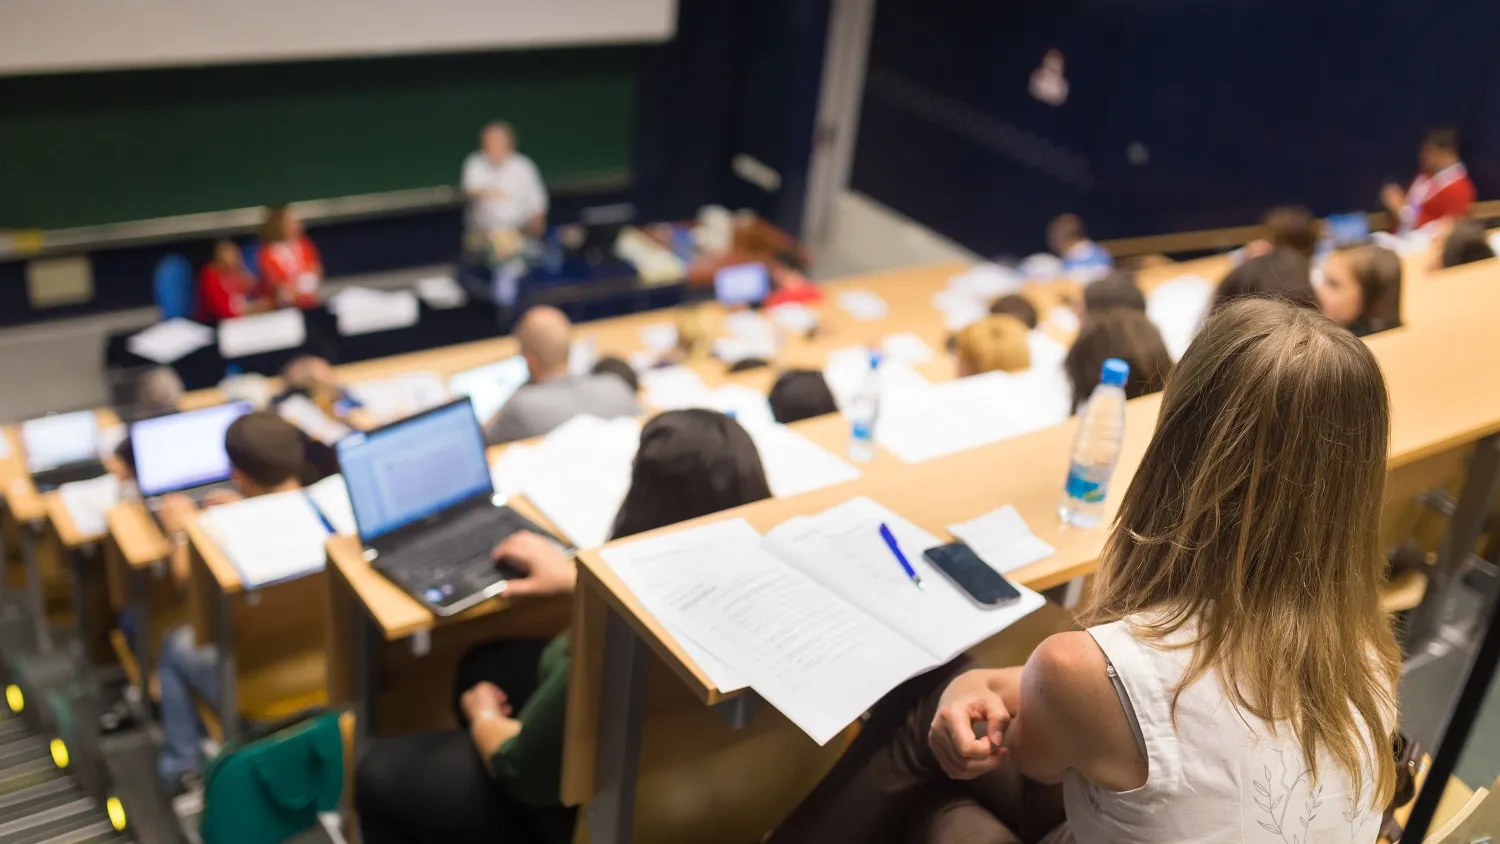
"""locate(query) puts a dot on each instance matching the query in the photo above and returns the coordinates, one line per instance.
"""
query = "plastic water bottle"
(864, 409)
(1096, 448)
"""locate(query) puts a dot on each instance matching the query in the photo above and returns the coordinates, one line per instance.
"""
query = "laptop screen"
(183, 450)
(415, 468)
(60, 440)
(742, 284)
(490, 386)
(1348, 229)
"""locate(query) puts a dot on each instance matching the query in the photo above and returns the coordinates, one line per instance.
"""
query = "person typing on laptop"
(554, 395)
(265, 456)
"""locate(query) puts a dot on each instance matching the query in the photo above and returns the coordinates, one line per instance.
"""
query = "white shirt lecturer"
(519, 193)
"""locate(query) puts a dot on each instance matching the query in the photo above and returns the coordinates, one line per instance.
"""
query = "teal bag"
(270, 783)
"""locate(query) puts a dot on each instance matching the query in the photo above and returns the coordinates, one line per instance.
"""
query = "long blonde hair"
(1254, 518)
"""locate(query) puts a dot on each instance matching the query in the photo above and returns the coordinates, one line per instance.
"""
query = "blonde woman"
(995, 343)
(1235, 678)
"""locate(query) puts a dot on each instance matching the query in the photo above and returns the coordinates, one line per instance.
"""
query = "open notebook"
(817, 616)
(303, 521)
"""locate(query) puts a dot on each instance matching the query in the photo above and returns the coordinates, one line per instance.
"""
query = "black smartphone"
(960, 564)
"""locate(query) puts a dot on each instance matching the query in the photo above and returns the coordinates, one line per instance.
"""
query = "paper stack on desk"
(578, 475)
(361, 310)
(920, 422)
(863, 305)
(1178, 308)
(260, 556)
(88, 503)
(817, 616)
(674, 388)
(441, 292)
(170, 341)
(1003, 539)
(269, 332)
(794, 464)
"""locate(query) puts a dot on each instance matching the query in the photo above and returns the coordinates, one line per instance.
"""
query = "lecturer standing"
(1442, 189)
(504, 189)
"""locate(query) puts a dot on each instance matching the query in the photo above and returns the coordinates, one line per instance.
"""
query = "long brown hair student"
(1123, 333)
(1361, 289)
(1236, 678)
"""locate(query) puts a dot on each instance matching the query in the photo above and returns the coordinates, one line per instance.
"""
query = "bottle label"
(1083, 488)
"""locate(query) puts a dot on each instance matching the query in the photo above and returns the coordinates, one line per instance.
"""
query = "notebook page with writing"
(809, 653)
(841, 548)
(268, 538)
(579, 474)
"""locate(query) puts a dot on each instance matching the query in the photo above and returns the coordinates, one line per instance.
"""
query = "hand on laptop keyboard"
(544, 568)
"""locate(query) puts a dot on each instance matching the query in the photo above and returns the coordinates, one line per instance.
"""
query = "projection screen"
(49, 36)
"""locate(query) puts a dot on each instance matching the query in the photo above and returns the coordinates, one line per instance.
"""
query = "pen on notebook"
(890, 541)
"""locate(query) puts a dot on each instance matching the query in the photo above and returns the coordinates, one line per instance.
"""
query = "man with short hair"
(554, 395)
(1441, 190)
(1082, 259)
(265, 456)
(504, 189)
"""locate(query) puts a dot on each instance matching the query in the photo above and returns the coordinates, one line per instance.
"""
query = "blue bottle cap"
(875, 356)
(1115, 373)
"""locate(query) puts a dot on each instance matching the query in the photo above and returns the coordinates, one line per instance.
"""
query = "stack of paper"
(1178, 307)
(389, 399)
(1003, 539)
(818, 616)
(674, 388)
(441, 292)
(364, 311)
(331, 497)
(578, 475)
(88, 503)
(863, 305)
(490, 386)
(919, 423)
(794, 464)
(170, 341)
(510, 470)
(311, 420)
(261, 556)
(268, 332)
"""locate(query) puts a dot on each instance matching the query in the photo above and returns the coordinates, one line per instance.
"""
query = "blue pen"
(890, 541)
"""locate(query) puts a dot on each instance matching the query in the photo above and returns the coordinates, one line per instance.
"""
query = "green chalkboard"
(108, 147)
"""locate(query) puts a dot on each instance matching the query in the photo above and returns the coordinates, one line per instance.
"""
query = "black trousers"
(433, 787)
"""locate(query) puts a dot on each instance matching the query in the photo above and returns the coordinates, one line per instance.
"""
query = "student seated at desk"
(1466, 242)
(620, 368)
(158, 391)
(312, 377)
(1280, 273)
(289, 262)
(498, 780)
(1017, 306)
(1116, 290)
(554, 395)
(1290, 227)
(800, 394)
(265, 456)
(1196, 704)
(993, 344)
(1361, 289)
(226, 288)
(1117, 333)
(1082, 259)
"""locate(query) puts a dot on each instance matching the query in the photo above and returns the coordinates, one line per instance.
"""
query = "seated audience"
(158, 392)
(1017, 306)
(1290, 227)
(505, 192)
(1466, 243)
(800, 394)
(1182, 711)
(695, 339)
(1117, 333)
(498, 778)
(1441, 190)
(993, 344)
(554, 395)
(226, 288)
(288, 260)
(1116, 290)
(312, 377)
(1361, 289)
(1082, 259)
(620, 368)
(265, 456)
(790, 285)
(1280, 274)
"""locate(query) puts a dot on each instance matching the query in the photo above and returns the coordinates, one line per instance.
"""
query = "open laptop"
(425, 506)
(742, 284)
(62, 448)
(490, 386)
(183, 452)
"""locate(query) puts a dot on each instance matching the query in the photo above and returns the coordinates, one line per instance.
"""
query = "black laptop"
(426, 509)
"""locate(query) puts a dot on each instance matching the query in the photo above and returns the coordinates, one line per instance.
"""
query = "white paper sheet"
(331, 497)
(582, 356)
(1003, 539)
(88, 503)
(748, 407)
(805, 651)
(1178, 308)
(441, 292)
(921, 422)
(842, 549)
(389, 399)
(674, 388)
(863, 305)
(510, 470)
(1063, 319)
(262, 556)
(794, 464)
(906, 348)
(1041, 266)
(846, 370)
(60, 439)
(110, 438)
(268, 332)
(1046, 353)
(375, 310)
(659, 337)
(311, 420)
(170, 341)
(794, 317)
(986, 282)
(578, 476)
(960, 310)
(490, 386)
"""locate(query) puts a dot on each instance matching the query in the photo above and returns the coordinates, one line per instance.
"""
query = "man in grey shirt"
(553, 395)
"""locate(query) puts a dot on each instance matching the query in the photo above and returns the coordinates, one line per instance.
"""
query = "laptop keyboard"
(454, 561)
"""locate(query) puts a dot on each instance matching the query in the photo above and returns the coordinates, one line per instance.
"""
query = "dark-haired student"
(1279, 274)
(1287, 227)
(498, 779)
(265, 456)
(1116, 290)
(800, 394)
(1441, 190)
(1082, 259)
(1117, 333)
(620, 368)
(1466, 243)
(1361, 289)
(226, 287)
(1017, 306)
(288, 260)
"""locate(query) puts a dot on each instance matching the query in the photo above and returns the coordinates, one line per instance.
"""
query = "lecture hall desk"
(619, 717)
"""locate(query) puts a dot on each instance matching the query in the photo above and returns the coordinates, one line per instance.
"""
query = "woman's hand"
(545, 569)
(968, 700)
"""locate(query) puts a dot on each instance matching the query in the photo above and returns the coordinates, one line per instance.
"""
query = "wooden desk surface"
(63, 524)
(136, 533)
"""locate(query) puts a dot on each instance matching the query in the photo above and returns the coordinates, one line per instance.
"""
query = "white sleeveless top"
(1217, 775)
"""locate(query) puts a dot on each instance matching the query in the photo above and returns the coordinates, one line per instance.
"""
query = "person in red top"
(1441, 190)
(289, 262)
(226, 288)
